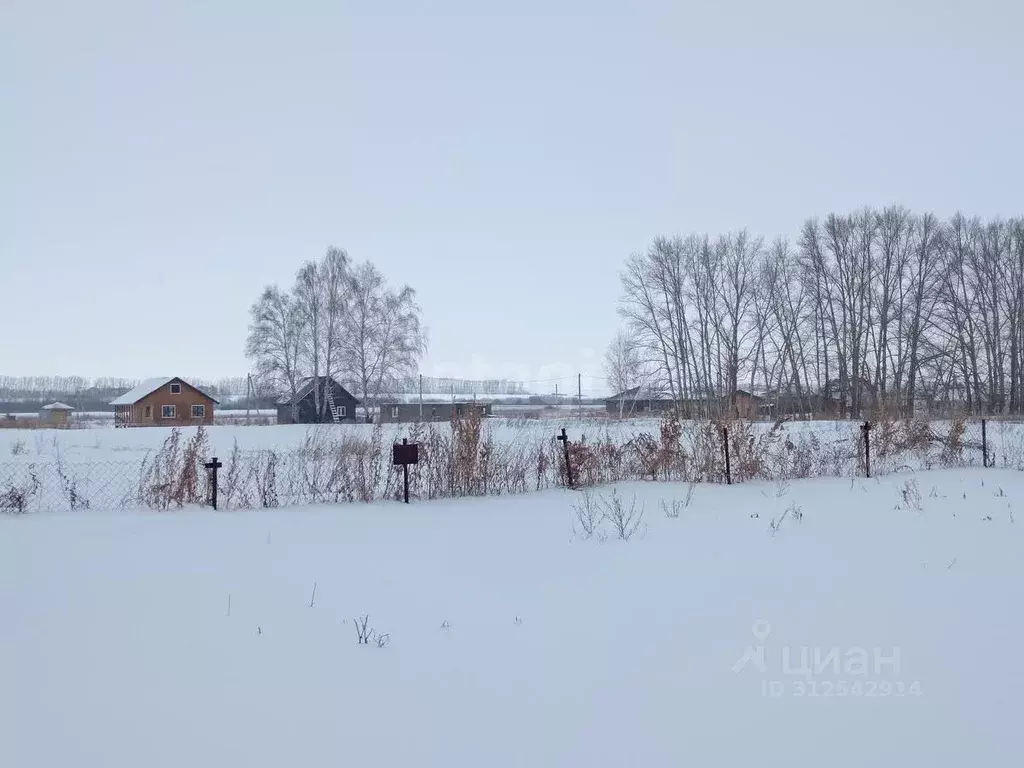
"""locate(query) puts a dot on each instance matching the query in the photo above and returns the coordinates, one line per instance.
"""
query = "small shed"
(56, 414)
(336, 404)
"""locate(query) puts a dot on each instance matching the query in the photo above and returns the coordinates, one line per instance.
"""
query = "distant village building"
(336, 404)
(163, 402)
(640, 401)
(748, 406)
(55, 414)
(404, 413)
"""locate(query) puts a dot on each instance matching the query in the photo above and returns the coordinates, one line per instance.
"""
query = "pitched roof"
(57, 406)
(306, 386)
(149, 386)
(640, 393)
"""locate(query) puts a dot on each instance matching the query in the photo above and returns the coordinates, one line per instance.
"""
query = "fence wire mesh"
(472, 459)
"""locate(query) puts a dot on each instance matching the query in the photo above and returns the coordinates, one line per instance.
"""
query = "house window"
(394, 412)
(168, 412)
(198, 411)
(175, 389)
(149, 411)
(342, 411)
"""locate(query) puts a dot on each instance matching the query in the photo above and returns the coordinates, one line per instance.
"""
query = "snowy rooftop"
(641, 393)
(58, 406)
(148, 387)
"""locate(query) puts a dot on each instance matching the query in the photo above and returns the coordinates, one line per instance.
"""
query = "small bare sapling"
(362, 633)
(587, 516)
(911, 495)
(793, 512)
(365, 634)
(626, 521)
(672, 510)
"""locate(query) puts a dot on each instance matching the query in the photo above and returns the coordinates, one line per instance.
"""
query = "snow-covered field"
(189, 639)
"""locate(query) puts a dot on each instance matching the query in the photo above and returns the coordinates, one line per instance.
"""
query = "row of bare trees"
(447, 385)
(339, 319)
(33, 386)
(877, 307)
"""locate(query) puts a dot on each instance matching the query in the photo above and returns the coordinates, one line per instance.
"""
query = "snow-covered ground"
(144, 639)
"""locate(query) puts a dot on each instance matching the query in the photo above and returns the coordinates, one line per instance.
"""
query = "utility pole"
(248, 396)
(579, 393)
(421, 397)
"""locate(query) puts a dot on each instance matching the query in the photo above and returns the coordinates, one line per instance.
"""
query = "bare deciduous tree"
(623, 364)
(875, 308)
(337, 321)
(383, 336)
(275, 340)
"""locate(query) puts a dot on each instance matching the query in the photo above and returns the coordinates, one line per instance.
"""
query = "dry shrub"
(707, 452)
(891, 436)
(644, 453)
(754, 454)
(467, 474)
(953, 445)
(171, 477)
(587, 517)
(910, 493)
(16, 494)
(803, 456)
(626, 521)
(70, 484)
(466, 457)
(671, 456)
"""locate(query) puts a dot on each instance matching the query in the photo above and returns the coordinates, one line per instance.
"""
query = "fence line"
(467, 458)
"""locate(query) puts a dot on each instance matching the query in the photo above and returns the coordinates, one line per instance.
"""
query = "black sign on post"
(403, 455)
(568, 467)
(213, 466)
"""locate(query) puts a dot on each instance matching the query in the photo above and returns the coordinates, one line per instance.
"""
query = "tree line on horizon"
(39, 386)
(879, 307)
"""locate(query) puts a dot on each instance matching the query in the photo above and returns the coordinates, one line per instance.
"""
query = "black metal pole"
(405, 472)
(984, 445)
(565, 447)
(728, 467)
(213, 466)
(866, 429)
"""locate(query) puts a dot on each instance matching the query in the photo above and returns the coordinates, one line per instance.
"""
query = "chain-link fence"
(472, 459)
(53, 485)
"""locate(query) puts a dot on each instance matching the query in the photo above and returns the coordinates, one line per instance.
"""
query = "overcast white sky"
(162, 161)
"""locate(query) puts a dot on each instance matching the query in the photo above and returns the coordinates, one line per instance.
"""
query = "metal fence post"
(728, 468)
(866, 429)
(984, 445)
(568, 467)
(213, 466)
